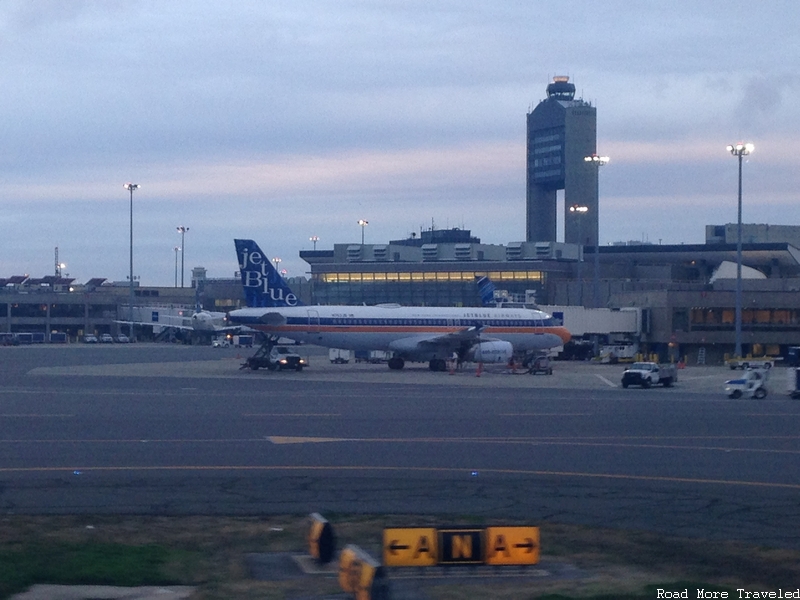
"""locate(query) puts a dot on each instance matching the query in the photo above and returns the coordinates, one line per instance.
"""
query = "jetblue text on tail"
(263, 285)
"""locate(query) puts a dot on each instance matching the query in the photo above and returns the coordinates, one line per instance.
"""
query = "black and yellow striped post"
(321, 539)
(362, 575)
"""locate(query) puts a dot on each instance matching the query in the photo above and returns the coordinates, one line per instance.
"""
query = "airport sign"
(410, 547)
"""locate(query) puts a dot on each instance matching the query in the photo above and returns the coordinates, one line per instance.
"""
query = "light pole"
(580, 210)
(597, 161)
(176, 249)
(277, 261)
(183, 231)
(363, 224)
(131, 187)
(739, 150)
(314, 239)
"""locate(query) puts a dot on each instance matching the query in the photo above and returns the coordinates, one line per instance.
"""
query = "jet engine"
(491, 352)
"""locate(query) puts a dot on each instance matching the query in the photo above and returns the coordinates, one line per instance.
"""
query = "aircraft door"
(313, 321)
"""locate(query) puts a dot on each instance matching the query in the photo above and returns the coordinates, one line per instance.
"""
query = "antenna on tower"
(58, 265)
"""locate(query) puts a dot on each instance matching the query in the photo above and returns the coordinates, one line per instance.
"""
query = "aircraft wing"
(448, 342)
(151, 324)
(457, 338)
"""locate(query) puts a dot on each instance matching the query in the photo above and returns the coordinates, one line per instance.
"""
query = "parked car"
(106, 338)
(122, 339)
(90, 339)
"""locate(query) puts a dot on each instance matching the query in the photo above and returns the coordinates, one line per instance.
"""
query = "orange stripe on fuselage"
(413, 329)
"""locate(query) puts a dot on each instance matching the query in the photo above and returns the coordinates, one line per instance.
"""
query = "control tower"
(562, 132)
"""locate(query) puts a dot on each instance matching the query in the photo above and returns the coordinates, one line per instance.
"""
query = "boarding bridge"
(612, 322)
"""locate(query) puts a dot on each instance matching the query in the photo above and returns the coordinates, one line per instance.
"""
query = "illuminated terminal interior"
(469, 276)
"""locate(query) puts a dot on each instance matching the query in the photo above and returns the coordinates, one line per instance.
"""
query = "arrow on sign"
(394, 546)
(529, 545)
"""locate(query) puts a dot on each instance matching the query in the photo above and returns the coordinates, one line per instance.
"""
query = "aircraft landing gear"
(438, 364)
(396, 363)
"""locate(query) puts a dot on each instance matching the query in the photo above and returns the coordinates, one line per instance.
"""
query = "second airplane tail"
(486, 290)
(263, 285)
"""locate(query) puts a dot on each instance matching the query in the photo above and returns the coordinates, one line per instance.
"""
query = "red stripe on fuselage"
(411, 329)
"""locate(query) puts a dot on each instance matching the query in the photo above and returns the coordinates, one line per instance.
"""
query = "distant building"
(687, 301)
(562, 132)
(753, 233)
(438, 268)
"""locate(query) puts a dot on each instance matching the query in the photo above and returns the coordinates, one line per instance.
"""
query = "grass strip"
(84, 564)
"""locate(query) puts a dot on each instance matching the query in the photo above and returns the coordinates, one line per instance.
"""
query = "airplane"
(416, 334)
(201, 322)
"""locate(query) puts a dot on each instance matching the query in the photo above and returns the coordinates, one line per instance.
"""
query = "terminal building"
(684, 293)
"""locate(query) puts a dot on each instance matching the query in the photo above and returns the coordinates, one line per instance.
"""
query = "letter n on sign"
(460, 546)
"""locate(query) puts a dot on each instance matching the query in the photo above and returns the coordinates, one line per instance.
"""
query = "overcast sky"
(283, 120)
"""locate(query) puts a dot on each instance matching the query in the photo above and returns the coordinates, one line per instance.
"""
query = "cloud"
(282, 120)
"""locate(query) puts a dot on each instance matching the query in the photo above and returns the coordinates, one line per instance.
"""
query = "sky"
(282, 120)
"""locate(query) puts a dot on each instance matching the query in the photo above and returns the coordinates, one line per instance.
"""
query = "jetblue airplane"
(417, 334)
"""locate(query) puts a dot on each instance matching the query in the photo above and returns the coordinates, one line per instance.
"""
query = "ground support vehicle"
(220, 343)
(379, 356)
(765, 362)
(645, 374)
(793, 382)
(338, 356)
(273, 357)
(541, 364)
(243, 341)
(752, 384)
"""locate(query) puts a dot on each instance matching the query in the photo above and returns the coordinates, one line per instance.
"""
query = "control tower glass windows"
(546, 154)
(561, 89)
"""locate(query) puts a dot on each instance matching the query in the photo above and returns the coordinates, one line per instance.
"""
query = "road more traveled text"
(740, 593)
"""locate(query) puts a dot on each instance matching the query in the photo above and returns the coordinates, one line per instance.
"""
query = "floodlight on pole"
(277, 261)
(363, 224)
(131, 187)
(182, 230)
(314, 239)
(739, 150)
(597, 161)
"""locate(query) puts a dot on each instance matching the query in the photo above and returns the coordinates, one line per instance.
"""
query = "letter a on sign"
(499, 546)
(423, 547)
(512, 545)
(409, 547)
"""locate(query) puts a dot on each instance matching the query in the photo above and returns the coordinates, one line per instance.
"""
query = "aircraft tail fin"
(263, 285)
(486, 290)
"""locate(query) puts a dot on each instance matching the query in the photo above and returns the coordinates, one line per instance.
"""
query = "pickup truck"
(646, 374)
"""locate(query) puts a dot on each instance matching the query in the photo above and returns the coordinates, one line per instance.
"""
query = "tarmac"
(695, 379)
